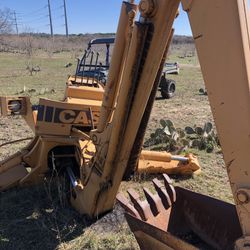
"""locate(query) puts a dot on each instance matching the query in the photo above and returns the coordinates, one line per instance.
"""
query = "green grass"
(53, 75)
(177, 57)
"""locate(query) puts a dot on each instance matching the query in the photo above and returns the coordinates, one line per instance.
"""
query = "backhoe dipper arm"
(221, 33)
(131, 85)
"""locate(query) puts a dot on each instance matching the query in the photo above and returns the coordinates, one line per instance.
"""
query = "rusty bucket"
(176, 218)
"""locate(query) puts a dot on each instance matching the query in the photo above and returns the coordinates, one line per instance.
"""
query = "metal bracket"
(243, 197)
(13, 105)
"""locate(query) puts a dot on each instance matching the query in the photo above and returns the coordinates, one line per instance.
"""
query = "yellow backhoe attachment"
(95, 135)
(61, 132)
(64, 131)
(32, 163)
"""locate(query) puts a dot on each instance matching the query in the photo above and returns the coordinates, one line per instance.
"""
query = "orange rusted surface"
(176, 218)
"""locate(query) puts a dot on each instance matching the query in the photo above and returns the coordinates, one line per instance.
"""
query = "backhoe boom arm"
(221, 33)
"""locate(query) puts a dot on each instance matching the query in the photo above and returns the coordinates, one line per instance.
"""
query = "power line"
(58, 17)
(38, 16)
(33, 12)
(34, 16)
(37, 19)
(42, 26)
(27, 19)
(58, 8)
(31, 29)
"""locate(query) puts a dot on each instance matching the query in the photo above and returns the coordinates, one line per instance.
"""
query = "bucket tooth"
(124, 202)
(153, 201)
(142, 207)
(169, 187)
(165, 197)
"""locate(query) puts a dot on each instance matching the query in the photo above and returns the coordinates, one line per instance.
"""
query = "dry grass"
(32, 219)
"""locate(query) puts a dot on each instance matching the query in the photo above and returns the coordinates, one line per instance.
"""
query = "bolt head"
(94, 138)
(242, 197)
(147, 8)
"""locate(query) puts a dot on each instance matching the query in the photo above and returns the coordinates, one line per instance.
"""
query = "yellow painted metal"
(12, 177)
(156, 156)
(162, 28)
(153, 162)
(75, 88)
(13, 105)
(54, 124)
(69, 122)
(122, 41)
(221, 33)
(58, 118)
(35, 156)
(111, 158)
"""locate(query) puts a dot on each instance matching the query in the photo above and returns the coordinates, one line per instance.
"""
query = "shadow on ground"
(37, 218)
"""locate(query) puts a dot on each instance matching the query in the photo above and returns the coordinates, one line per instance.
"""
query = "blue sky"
(84, 16)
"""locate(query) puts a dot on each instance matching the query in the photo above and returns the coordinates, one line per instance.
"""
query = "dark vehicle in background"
(91, 66)
(167, 86)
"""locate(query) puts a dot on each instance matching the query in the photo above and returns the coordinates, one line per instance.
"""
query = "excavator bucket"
(176, 218)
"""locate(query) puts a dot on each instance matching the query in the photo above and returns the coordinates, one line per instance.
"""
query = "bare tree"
(28, 43)
(5, 21)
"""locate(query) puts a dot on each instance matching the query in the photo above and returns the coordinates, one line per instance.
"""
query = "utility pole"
(14, 13)
(50, 20)
(65, 18)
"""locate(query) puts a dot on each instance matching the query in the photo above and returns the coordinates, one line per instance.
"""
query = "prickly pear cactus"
(172, 139)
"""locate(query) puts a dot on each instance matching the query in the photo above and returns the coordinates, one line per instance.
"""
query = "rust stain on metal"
(197, 37)
(229, 163)
(164, 220)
